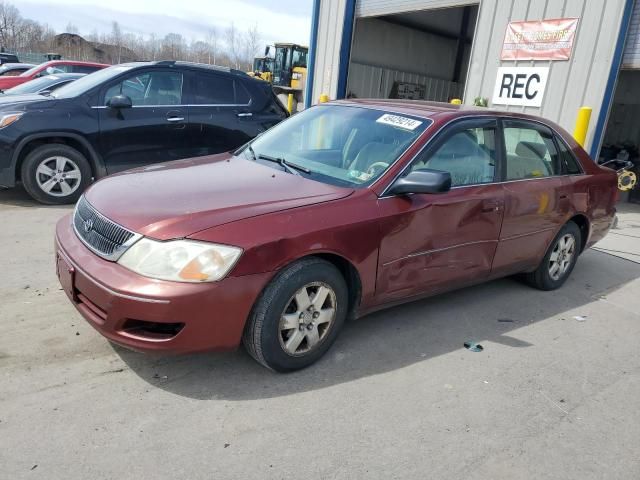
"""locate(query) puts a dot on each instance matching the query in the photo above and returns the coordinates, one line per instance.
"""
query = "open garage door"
(419, 55)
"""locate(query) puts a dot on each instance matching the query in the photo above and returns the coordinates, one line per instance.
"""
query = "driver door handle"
(245, 114)
(175, 119)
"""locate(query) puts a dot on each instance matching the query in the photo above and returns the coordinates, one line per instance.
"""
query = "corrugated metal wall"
(330, 26)
(579, 81)
(370, 81)
(632, 50)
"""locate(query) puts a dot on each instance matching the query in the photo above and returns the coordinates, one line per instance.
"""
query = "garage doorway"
(419, 55)
(622, 136)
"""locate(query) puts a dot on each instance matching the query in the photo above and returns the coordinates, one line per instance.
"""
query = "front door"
(153, 130)
(536, 197)
(436, 242)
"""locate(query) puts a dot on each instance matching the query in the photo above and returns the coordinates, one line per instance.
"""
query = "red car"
(47, 68)
(343, 209)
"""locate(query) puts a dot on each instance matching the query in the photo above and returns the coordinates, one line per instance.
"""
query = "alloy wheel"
(58, 176)
(562, 256)
(307, 318)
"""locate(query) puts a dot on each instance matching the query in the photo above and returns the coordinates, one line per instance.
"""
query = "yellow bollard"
(582, 125)
(324, 98)
(290, 103)
(456, 101)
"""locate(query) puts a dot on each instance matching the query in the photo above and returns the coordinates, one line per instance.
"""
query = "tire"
(55, 174)
(267, 336)
(543, 277)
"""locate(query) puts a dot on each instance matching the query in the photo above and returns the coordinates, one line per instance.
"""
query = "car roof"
(433, 110)
(193, 65)
(72, 62)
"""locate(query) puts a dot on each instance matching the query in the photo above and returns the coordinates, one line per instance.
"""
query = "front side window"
(149, 88)
(531, 152)
(340, 145)
(468, 154)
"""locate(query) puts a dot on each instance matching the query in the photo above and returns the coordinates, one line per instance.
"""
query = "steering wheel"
(376, 168)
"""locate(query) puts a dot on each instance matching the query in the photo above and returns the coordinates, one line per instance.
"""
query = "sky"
(277, 20)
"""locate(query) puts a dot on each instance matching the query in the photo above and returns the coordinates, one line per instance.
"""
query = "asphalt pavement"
(554, 394)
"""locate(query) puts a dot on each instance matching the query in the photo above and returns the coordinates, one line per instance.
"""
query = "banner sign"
(522, 86)
(540, 40)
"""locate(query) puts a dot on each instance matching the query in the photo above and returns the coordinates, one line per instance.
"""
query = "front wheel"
(559, 260)
(55, 174)
(298, 316)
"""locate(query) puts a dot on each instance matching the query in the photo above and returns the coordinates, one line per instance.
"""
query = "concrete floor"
(550, 397)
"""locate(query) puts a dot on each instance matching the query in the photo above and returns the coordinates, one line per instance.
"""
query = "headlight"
(9, 118)
(180, 260)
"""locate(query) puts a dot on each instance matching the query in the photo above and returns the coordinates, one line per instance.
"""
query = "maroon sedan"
(345, 208)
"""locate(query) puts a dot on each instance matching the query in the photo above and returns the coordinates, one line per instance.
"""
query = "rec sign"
(522, 86)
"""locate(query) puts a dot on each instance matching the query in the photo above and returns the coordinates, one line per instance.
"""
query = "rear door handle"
(175, 119)
(245, 114)
(493, 205)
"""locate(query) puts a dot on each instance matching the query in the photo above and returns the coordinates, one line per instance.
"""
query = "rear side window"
(569, 163)
(213, 90)
(243, 97)
(531, 152)
(84, 69)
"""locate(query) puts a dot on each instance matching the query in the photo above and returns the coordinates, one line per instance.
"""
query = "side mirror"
(422, 181)
(119, 101)
(267, 49)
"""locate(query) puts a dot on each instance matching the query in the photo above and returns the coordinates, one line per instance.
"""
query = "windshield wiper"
(290, 167)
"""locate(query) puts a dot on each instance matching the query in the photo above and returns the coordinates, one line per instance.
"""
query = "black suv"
(127, 116)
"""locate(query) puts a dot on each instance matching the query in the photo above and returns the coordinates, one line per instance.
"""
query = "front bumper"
(131, 310)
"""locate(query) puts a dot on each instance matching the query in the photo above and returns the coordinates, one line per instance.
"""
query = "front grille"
(104, 237)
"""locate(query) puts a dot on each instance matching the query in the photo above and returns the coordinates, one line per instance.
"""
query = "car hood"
(17, 101)
(178, 199)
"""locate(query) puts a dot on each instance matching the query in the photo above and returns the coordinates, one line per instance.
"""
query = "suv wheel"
(55, 174)
(298, 316)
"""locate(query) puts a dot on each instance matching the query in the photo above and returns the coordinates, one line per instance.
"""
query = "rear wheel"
(55, 174)
(298, 316)
(559, 261)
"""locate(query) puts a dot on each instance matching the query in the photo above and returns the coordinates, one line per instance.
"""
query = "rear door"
(432, 243)
(154, 129)
(214, 125)
(537, 199)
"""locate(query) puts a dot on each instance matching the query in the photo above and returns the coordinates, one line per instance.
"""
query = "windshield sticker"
(398, 121)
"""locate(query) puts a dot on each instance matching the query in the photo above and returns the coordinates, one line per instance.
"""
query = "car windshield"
(34, 86)
(92, 80)
(338, 144)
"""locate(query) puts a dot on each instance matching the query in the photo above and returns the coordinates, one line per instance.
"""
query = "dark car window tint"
(150, 88)
(242, 95)
(84, 69)
(531, 153)
(569, 162)
(213, 90)
(468, 155)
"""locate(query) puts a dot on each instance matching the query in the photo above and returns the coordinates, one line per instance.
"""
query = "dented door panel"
(430, 242)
